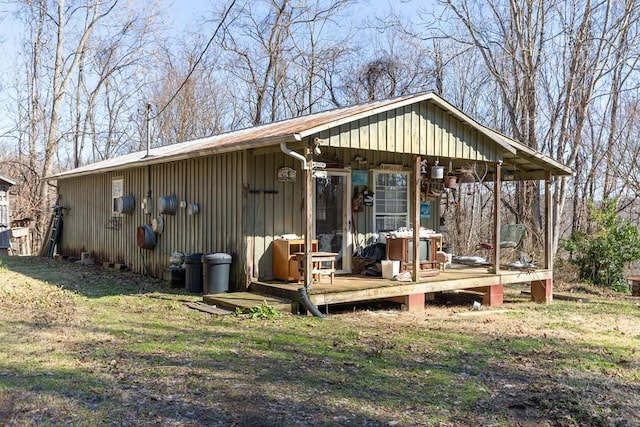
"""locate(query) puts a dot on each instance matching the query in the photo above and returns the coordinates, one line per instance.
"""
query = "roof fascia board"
(151, 160)
(7, 180)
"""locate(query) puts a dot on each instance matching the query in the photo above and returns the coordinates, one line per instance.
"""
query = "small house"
(273, 195)
(5, 215)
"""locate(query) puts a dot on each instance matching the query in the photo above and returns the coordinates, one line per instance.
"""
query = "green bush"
(602, 252)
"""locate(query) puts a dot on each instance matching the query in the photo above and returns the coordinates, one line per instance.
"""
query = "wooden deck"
(358, 288)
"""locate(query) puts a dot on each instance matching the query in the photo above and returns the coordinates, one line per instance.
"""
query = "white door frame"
(347, 244)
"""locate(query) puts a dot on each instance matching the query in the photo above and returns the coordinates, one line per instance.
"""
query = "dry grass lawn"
(85, 346)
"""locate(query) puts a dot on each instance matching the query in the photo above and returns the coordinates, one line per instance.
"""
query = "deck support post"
(413, 302)
(494, 295)
(542, 291)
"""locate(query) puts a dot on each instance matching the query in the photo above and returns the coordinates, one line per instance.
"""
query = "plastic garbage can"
(215, 273)
(193, 273)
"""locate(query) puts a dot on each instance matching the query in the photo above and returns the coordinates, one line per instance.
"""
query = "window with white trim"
(391, 200)
(117, 185)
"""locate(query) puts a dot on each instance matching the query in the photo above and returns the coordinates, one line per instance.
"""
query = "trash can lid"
(193, 258)
(217, 258)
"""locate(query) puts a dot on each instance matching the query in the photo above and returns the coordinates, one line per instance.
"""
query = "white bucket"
(437, 172)
(390, 269)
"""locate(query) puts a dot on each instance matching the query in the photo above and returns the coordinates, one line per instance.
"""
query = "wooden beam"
(497, 188)
(444, 282)
(308, 235)
(548, 223)
(416, 219)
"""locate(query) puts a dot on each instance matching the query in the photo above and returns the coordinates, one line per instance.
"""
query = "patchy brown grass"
(86, 346)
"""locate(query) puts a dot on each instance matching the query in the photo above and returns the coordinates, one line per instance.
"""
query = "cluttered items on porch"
(395, 248)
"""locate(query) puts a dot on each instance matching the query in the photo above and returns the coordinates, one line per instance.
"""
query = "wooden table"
(324, 264)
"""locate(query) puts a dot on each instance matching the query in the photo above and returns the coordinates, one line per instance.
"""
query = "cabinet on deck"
(285, 265)
(401, 249)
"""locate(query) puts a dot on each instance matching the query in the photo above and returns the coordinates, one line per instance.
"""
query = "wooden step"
(247, 300)
(286, 291)
(208, 308)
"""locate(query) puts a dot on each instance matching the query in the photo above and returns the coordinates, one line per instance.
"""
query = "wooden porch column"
(308, 234)
(416, 220)
(548, 223)
(497, 203)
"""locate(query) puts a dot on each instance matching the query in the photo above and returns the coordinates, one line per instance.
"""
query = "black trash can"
(175, 277)
(193, 273)
(215, 273)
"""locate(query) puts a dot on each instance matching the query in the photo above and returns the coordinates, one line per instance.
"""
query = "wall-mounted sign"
(360, 177)
(286, 174)
(425, 210)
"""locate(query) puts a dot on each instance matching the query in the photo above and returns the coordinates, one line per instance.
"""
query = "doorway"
(332, 219)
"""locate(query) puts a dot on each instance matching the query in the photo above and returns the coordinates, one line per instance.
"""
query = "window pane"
(391, 200)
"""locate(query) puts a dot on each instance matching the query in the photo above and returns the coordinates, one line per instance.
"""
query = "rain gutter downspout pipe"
(304, 299)
(295, 155)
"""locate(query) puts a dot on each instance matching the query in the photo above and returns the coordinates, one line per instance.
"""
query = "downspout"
(306, 302)
(295, 155)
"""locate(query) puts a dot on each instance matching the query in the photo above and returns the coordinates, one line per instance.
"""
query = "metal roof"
(296, 129)
(6, 181)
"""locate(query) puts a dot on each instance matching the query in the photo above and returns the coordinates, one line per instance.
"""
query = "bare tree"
(262, 42)
(549, 61)
(61, 43)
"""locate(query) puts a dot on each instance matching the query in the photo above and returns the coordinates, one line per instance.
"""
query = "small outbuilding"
(5, 215)
(278, 196)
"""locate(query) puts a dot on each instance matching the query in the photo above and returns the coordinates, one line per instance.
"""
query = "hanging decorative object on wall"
(437, 171)
(425, 210)
(145, 237)
(193, 209)
(157, 224)
(360, 177)
(286, 174)
(368, 197)
(167, 205)
(125, 205)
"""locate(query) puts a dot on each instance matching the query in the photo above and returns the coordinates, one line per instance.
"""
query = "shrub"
(601, 253)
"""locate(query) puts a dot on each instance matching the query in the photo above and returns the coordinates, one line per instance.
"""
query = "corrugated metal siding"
(273, 208)
(215, 183)
(422, 128)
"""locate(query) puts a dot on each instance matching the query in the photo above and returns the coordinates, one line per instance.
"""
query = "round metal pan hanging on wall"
(125, 204)
(157, 224)
(167, 205)
(145, 238)
(193, 209)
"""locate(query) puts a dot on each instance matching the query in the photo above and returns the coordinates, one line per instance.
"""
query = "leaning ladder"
(53, 232)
